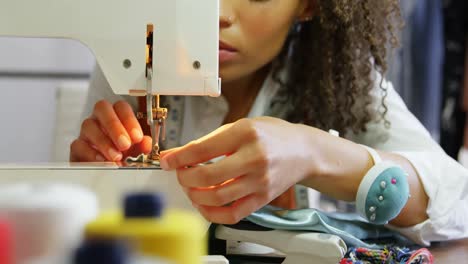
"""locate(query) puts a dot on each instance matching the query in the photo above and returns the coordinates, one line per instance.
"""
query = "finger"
(81, 151)
(233, 213)
(125, 114)
(144, 147)
(224, 140)
(223, 194)
(91, 132)
(168, 151)
(109, 121)
(214, 173)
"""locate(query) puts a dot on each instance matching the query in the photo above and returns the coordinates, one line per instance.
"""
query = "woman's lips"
(225, 46)
(226, 55)
(226, 52)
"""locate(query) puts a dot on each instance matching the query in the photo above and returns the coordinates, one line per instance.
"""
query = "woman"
(311, 65)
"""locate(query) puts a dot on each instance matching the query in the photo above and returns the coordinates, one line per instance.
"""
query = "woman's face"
(253, 32)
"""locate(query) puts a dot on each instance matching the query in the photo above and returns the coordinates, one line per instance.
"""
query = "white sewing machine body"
(107, 180)
(185, 39)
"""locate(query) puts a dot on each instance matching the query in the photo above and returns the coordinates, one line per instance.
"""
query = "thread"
(6, 243)
(46, 219)
(169, 234)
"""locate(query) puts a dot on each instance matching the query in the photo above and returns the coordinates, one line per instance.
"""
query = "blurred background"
(43, 83)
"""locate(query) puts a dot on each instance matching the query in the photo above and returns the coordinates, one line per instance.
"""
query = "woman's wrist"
(336, 166)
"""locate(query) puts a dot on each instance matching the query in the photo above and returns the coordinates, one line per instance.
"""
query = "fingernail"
(164, 165)
(115, 155)
(137, 134)
(100, 158)
(124, 142)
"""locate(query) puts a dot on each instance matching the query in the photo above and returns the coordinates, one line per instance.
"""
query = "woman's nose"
(226, 13)
(225, 21)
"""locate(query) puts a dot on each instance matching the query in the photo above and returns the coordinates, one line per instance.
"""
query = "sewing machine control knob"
(143, 205)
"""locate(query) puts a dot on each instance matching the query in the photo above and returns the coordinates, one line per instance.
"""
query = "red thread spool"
(6, 243)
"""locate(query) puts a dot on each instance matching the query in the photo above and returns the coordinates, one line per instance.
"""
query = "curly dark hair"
(330, 60)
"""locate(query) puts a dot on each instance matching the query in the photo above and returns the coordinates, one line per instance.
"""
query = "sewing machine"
(149, 48)
(144, 48)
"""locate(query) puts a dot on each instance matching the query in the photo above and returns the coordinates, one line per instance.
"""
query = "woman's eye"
(259, 1)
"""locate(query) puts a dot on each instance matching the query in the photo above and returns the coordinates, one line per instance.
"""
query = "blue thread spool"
(143, 205)
(102, 251)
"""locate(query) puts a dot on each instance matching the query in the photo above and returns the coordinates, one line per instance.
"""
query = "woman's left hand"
(263, 158)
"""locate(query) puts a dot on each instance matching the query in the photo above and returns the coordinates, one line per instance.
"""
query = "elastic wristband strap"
(375, 156)
(334, 133)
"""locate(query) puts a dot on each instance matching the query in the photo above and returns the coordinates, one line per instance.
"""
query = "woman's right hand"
(111, 133)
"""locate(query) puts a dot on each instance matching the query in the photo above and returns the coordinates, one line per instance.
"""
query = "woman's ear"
(308, 9)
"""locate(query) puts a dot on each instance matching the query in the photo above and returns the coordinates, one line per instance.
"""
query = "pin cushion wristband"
(383, 191)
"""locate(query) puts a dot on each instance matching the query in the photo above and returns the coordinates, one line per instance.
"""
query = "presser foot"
(143, 160)
(154, 155)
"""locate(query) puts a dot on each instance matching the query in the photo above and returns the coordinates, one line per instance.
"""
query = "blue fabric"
(351, 227)
(427, 49)
(416, 70)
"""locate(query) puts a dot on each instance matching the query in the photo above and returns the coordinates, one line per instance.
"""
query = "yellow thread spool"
(177, 235)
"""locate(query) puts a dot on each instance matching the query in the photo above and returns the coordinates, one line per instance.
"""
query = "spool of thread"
(102, 251)
(110, 252)
(175, 236)
(46, 219)
(6, 243)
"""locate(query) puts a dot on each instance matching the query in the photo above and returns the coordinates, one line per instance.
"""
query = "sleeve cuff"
(446, 184)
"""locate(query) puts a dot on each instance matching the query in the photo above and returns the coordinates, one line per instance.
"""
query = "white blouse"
(445, 181)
